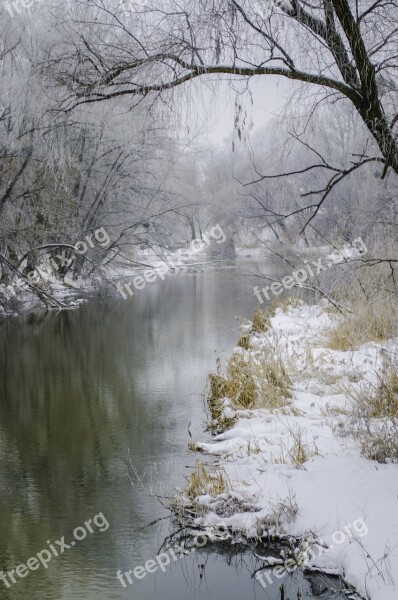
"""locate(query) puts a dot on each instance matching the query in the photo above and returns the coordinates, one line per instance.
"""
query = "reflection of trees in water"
(75, 394)
(62, 387)
(68, 411)
(77, 390)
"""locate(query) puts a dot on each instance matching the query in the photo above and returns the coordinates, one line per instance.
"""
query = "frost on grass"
(373, 420)
(208, 490)
(363, 321)
(209, 499)
(298, 428)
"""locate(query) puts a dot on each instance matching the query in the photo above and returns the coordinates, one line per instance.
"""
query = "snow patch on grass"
(293, 469)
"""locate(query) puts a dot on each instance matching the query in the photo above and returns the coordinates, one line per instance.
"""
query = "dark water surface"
(87, 397)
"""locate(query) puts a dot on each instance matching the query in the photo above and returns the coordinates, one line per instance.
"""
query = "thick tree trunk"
(369, 107)
(381, 131)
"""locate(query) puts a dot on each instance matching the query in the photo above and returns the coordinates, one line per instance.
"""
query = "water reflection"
(80, 391)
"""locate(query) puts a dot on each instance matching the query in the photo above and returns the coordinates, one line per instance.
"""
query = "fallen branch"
(46, 298)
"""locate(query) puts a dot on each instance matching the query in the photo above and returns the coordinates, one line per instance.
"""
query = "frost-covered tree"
(343, 50)
(63, 175)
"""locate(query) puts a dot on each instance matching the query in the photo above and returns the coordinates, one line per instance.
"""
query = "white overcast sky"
(215, 112)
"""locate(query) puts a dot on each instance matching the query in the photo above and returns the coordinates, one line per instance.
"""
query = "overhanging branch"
(90, 94)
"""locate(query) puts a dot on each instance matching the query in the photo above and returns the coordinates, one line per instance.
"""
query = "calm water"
(92, 396)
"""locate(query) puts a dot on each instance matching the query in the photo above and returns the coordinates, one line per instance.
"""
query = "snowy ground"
(335, 488)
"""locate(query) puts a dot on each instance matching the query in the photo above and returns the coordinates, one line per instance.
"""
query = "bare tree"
(333, 44)
(63, 176)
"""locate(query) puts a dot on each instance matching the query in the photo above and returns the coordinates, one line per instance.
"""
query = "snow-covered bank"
(22, 294)
(56, 294)
(288, 471)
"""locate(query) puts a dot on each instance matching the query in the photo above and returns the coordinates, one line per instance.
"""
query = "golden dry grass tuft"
(378, 401)
(261, 320)
(373, 421)
(241, 386)
(255, 379)
(364, 323)
(298, 452)
(244, 341)
(385, 401)
(201, 482)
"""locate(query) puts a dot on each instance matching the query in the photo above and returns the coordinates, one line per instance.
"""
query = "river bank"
(120, 280)
(306, 448)
(55, 284)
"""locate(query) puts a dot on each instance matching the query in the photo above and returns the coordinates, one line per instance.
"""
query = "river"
(93, 398)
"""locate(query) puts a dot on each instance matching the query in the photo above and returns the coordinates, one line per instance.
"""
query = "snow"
(335, 488)
(67, 290)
